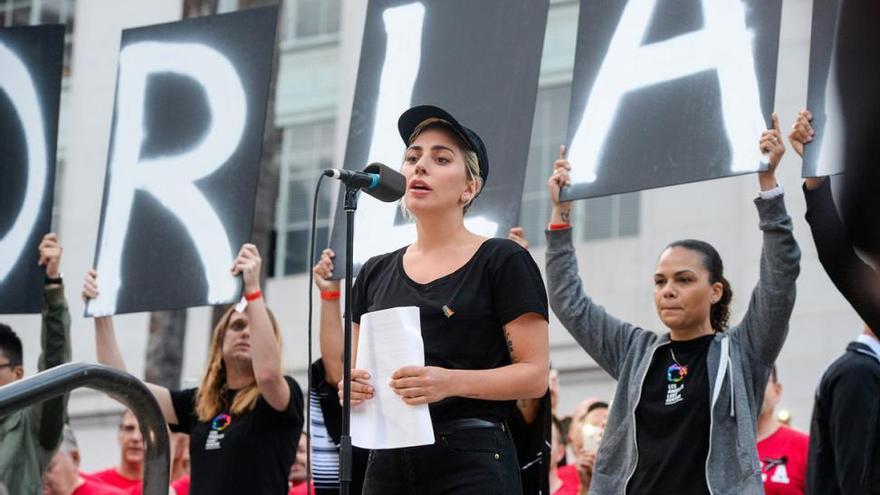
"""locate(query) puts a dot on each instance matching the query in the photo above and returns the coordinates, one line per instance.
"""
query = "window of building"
(311, 19)
(33, 12)
(305, 150)
(598, 218)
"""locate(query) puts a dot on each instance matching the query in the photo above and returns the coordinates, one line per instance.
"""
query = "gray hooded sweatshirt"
(738, 362)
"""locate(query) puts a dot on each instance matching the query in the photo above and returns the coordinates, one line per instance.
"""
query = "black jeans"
(466, 461)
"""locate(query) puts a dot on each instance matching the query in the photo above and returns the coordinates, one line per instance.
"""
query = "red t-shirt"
(181, 487)
(571, 481)
(784, 461)
(113, 478)
(92, 487)
(300, 489)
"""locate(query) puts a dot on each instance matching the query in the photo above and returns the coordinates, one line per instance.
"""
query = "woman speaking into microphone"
(483, 314)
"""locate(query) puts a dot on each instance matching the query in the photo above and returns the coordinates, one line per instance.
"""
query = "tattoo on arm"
(509, 343)
(566, 216)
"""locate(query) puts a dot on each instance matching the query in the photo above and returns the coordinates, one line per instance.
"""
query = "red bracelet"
(253, 296)
(330, 295)
(559, 226)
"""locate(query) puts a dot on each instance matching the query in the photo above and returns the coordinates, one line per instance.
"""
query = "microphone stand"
(345, 452)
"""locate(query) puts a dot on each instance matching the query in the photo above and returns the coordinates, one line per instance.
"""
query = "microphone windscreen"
(392, 184)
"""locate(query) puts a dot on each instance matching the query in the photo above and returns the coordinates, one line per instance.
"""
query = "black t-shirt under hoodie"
(672, 421)
(462, 314)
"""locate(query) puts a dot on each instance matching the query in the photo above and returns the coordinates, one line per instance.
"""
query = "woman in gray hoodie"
(687, 400)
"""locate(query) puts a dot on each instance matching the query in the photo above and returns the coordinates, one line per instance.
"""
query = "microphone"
(377, 180)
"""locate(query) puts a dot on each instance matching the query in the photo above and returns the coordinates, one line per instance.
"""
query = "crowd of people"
(694, 410)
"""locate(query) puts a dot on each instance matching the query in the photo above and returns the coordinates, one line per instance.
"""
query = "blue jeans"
(479, 461)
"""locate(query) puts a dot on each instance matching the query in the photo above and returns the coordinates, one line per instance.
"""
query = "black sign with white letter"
(183, 161)
(31, 65)
(479, 61)
(670, 92)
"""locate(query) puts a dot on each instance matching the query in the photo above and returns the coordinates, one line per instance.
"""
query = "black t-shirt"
(672, 421)
(251, 453)
(497, 285)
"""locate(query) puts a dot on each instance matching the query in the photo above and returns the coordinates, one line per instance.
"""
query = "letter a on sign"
(675, 98)
(178, 203)
(30, 85)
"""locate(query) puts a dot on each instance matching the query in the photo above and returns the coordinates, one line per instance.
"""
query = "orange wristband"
(559, 226)
(330, 295)
(253, 296)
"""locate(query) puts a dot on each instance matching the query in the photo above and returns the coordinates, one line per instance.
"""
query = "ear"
(717, 292)
(74, 456)
(18, 372)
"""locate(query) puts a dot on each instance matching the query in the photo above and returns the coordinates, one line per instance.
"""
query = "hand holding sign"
(771, 144)
(323, 272)
(560, 178)
(801, 132)
(50, 255)
(248, 264)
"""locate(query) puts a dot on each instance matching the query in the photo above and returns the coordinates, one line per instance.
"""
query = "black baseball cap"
(411, 119)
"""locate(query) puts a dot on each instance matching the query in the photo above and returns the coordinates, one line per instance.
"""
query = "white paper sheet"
(390, 339)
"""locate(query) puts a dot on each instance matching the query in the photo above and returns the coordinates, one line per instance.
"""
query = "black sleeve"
(855, 279)
(184, 403)
(851, 420)
(359, 303)
(295, 411)
(517, 287)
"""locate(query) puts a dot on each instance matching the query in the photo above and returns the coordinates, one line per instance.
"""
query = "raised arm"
(854, 278)
(265, 348)
(605, 338)
(108, 350)
(765, 324)
(48, 416)
(331, 337)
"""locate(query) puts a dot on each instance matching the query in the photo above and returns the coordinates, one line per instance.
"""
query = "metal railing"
(118, 385)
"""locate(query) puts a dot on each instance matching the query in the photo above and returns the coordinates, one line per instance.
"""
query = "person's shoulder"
(857, 361)
(502, 246)
(380, 261)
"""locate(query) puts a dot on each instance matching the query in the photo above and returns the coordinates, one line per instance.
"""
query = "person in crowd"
(129, 472)
(29, 436)
(781, 449)
(845, 430)
(180, 464)
(483, 314)
(245, 418)
(298, 478)
(325, 410)
(561, 482)
(63, 476)
(585, 434)
(575, 425)
(858, 281)
(530, 422)
(686, 400)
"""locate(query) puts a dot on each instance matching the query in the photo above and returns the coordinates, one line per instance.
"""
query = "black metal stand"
(345, 454)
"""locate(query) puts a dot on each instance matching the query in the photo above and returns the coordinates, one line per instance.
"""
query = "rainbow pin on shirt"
(447, 311)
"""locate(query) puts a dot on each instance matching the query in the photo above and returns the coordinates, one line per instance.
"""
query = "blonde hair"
(471, 161)
(211, 396)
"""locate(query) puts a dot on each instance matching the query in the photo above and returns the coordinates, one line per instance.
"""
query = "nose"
(420, 167)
